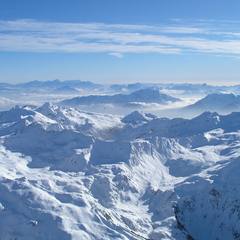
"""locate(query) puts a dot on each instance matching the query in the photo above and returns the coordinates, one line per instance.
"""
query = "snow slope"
(218, 102)
(68, 174)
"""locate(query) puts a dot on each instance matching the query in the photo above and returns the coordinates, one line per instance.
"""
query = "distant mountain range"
(51, 85)
(187, 88)
(148, 95)
(128, 97)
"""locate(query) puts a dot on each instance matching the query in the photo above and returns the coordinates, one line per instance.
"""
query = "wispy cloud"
(119, 39)
(116, 54)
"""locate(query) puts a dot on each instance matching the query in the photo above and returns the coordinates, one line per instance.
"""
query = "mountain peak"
(223, 103)
(137, 117)
(48, 108)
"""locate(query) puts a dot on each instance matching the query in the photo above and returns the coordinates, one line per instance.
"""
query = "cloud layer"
(119, 39)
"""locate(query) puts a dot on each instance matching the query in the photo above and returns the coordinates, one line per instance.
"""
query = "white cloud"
(116, 54)
(118, 39)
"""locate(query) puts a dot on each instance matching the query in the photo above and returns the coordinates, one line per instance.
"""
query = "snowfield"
(69, 174)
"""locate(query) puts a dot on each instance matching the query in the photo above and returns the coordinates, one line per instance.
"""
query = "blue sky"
(120, 41)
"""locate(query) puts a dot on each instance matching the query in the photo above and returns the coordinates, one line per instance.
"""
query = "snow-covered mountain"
(69, 174)
(148, 95)
(218, 102)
